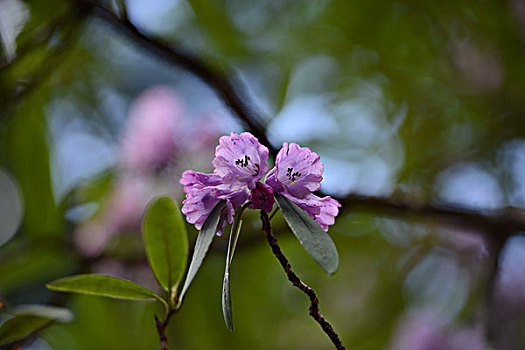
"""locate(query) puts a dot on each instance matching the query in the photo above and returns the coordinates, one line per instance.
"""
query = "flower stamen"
(292, 176)
(243, 162)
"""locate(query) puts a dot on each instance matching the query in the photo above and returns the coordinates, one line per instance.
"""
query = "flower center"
(243, 162)
(250, 167)
(292, 176)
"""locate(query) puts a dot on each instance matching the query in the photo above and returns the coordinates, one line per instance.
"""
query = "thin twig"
(495, 245)
(123, 10)
(161, 329)
(274, 212)
(296, 281)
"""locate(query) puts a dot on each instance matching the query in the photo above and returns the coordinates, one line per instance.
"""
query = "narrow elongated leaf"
(30, 319)
(226, 296)
(51, 312)
(20, 327)
(166, 242)
(316, 242)
(206, 234)
(103, 285)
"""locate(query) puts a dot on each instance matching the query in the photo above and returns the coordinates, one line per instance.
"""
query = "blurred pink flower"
(122, 210)
(149, 139)
(91, 238)
(508, 305)
(422, 330)
(156, 138)
(127, 202)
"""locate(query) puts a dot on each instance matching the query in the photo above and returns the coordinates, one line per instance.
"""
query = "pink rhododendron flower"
(322, 210)
(191, 179)
(240, 164)
(241, 158)
(297, 171)
(204, 191)
(148, 141)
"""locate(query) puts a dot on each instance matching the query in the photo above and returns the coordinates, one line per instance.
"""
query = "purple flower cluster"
(240, 164)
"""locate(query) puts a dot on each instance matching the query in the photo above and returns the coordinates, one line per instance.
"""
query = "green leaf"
(316, 242)
(20, 327)
(51, 312)
(30, 319)
(105, 286)
(232, 243)
(206, 234)
(166, 242)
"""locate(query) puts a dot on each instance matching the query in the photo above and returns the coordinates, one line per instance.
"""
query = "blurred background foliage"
(419, 99)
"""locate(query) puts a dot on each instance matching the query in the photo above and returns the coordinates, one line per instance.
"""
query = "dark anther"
(242, 162)
(292, 176)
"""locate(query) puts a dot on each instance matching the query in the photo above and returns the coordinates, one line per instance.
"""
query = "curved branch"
(177, 56)
(502, 222)
(296, 281)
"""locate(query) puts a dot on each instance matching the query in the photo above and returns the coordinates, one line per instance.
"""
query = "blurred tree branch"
(179, 57)
(503, 222)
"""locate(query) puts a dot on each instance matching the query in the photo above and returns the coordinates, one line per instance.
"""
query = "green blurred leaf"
(226, 296)
(45, 17)
(90, 191)
(215, 21)
(20, 327)
(105, 286)
(23, 265)
(166, 242)
(316, 242)
(206, 234)
(51, 312)
(30, 319)
(28, 159)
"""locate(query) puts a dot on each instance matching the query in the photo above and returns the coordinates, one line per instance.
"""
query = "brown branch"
(161, 329)
(503, 222)
(177, 56)
(296, 281)
(496, 245)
